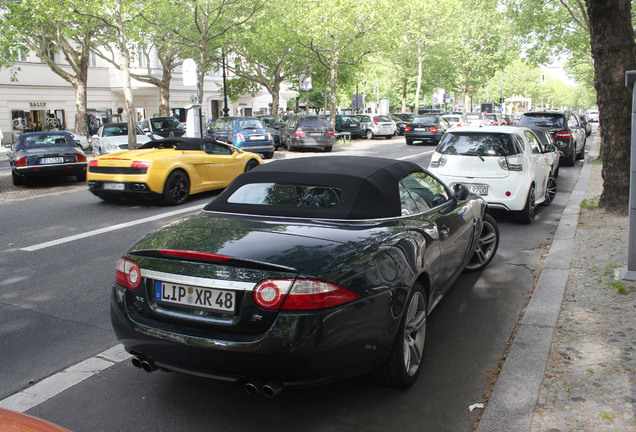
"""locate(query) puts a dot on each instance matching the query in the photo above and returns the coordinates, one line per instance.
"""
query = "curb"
(514, 397)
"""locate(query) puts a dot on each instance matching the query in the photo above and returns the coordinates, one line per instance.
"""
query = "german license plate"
(52, 160)
(198, 297)
(315, 134)
(421, 129)
(114, 186)
(478, 189)
(257, 137)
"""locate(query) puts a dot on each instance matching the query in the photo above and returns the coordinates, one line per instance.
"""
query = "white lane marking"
(416, 155)
(110, 228)
(56, 384)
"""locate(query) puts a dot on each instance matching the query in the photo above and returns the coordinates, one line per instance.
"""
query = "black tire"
(368, 134)
(327, 149)
(571, 160)
(177, 188)
(407, 354)
(526, 216)
(81, 177)
(486, 246)
(388, 136)
(550, 191)
(268, 155)
(250, 165)
(18, 180)
(409, 142)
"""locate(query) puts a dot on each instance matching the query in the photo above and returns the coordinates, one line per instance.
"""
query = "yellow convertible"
(168, 169)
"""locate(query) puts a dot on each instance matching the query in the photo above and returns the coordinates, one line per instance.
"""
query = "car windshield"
(47, 140)
(426, 119)
(542, 120)
(286, 195)
(166, 124)
(249, 124)
(482, 144)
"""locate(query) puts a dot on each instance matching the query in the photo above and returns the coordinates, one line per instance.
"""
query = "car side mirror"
(550, 148)
(460, 192)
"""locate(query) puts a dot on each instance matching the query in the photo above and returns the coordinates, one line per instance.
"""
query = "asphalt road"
(54, 299)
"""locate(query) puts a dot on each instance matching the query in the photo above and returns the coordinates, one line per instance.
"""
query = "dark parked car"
(247, 133)
(400, 124)
(303, 271)
(162, 127)
(345, 123)
(427, 129)
(568, 133)
(586, 124)
(307, 132)
(39, 154)
(273, 124)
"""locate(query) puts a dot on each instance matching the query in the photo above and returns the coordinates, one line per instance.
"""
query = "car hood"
(471, 167)
(309, 247)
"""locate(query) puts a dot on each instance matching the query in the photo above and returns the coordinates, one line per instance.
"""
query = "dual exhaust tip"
(270, 389)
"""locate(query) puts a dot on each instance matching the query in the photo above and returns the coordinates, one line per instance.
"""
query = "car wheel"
(328, 149)
(581, 155)
(176, 188)
(389, 136)
(526, 216)
(556, 173)
(268, 155)
(368, 134)
(486, 246)
(571, 160)
(405, 360)
(81, 177)
(409, 142)
(250, 165)
(18, 180)
(550, 191)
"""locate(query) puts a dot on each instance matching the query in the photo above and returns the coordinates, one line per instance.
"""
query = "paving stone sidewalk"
(590, 377)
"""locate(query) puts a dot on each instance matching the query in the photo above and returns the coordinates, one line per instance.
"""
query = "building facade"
(34, 98)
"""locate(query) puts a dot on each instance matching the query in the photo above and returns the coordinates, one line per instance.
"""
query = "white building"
(41, 99)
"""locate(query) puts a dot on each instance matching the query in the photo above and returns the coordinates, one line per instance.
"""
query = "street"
(57, 258)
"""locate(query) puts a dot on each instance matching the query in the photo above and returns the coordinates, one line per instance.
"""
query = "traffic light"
(542, 78)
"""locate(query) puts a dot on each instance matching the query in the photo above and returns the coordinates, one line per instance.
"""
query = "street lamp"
(225, 108)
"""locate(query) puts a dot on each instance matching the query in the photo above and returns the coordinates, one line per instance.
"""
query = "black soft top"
(369, 186)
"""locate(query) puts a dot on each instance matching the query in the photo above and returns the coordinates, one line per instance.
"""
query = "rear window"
(382, 118)
(452, 119)
(482, 144)
(426, 119)
(473, 116)
(542, 120)
(286, 195)
(249, 124)
(47, 140)
(314, 121)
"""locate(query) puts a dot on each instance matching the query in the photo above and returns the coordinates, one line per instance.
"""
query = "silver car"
(376, 125)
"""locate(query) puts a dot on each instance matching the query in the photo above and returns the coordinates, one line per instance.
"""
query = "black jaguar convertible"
(301, 272)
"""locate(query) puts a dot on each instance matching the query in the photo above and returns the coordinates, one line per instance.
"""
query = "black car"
(400, 124)
(307, 132)
(568, 134)
(303, 271)
(426, 128)
(273, 124)
(350, 124)
(162, 127)
(39, 154)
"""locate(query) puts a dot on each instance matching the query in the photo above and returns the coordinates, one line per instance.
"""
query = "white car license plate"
(315, 134)
(478, 189)
(114, 186)
(421, 129)
(199, 297)
(257, 137)
(52, 160)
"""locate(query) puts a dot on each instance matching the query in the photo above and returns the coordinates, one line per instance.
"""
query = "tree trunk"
(80, 106)
(125, 77)
(276, 95)
(405, 82)
(164, 92)
(420, 60)
(614, 53)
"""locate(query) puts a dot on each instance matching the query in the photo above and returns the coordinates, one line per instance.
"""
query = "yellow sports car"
(168, 169)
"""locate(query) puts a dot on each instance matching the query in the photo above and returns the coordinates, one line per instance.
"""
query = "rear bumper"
(498, 190)
(313, 142)
(66, 169)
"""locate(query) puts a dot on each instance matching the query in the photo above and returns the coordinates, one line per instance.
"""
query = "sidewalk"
(571, 366)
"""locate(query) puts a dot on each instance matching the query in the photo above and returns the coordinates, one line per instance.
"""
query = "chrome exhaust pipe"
(271, 389)
(252, 388)
(148, 365)
(136, 361)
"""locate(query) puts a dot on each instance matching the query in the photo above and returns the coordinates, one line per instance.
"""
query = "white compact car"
(113, 137)
(505, 165)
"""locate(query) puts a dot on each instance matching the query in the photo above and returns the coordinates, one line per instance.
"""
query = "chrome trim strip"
(198, 281)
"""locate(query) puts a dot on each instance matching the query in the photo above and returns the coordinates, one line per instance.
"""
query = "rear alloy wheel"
(526, 216)
(368, 134)
(405, 361)
(409, 142)
(268, 155)
(550, 190)
(486, 247)
(250, 165)
(18, 180)
(570, 161)
(177, 188)
(389, 136)
(328, 149)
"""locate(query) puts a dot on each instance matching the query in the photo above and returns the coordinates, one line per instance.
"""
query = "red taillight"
(563, 135)
(92, 163)
(194, 255)
(375, 120)
(240, 137)
(408, 128)
(432, 129)
(128, 274)
(301, 294)
(458, 125)
(80, 157)
(330, 134)
(299, 133)
(140, 164)
(21, 162)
